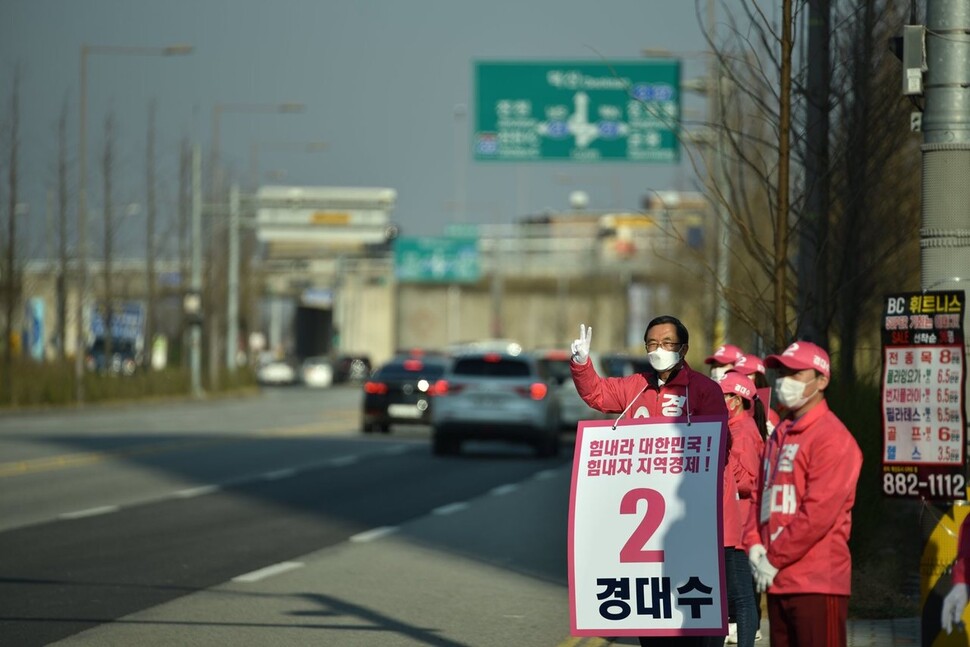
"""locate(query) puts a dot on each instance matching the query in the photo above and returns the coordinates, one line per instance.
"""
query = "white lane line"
(395, 450)
(279, 474)
(545, 474)
(269, 571)
(343, 461)
(197, 491)
(502, 490)
(451, 508)
(90, 512)
(374, 533)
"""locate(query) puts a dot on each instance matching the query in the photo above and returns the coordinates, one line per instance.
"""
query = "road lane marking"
(197, 491)
(269, 571)
(372, 534)
(279, 474)
(90, 512)
(546, 474)
(451, 508)
(343, 461)
(502, 490)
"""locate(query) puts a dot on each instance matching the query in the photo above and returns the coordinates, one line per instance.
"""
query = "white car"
(495, 396)
(317, 372)
(276, 372)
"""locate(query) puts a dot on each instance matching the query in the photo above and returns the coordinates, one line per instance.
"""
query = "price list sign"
(924, 374)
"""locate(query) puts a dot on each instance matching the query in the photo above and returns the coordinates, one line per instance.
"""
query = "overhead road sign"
(436, 260)
(580, 111)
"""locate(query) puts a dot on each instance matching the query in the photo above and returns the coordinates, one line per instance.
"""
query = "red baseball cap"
(749, 364)
(738, 384)
(799, 356)
(726, 354)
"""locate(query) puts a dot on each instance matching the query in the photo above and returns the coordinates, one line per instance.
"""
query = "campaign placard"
(923, 382)
(645, 530)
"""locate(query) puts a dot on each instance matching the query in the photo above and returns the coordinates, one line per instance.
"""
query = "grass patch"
(53, 384)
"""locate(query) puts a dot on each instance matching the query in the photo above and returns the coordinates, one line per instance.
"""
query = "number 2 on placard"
(656, 506)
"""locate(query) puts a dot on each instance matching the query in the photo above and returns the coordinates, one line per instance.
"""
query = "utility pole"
(195, 293)
(232, 295)
(941, 49)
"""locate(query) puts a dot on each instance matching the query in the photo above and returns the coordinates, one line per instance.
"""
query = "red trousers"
(808, 620)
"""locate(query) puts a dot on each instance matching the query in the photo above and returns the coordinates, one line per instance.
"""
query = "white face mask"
(791, 392)
(717, 372)
(662, 360)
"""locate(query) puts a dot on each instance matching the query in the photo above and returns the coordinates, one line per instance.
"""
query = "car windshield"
(409, 369)
(486, 367)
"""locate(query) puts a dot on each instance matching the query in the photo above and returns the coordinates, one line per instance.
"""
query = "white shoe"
(757, 636)
(732, 637)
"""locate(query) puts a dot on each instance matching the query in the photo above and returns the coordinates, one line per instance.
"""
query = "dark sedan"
(399, 392)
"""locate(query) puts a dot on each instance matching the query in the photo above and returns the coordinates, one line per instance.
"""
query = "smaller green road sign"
(580, 111)
(436, 260)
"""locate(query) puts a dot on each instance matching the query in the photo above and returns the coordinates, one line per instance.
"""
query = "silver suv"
(495, 396)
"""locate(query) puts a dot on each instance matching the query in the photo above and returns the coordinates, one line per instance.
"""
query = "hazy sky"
(383, 81)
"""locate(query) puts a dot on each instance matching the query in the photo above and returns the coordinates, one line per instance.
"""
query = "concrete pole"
(945, 231)
(232, 296)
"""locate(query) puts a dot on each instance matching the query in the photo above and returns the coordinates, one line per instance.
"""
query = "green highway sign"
(580, 111)
(436, 260)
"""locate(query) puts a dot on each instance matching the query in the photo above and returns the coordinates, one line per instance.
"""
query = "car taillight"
(375, 388)
(536, 390)
(442, 387)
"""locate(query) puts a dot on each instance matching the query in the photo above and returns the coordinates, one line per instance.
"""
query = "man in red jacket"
(669, 389)
(797, 531)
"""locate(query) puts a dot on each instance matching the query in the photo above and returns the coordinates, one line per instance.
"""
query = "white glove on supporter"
(755, 553)
(762, 570)
(953, 605)
(580, 347)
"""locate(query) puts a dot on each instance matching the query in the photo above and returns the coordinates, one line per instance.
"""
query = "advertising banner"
(645, 531)
(923, 380)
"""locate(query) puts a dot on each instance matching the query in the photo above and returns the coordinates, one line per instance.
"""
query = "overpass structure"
(330, 276)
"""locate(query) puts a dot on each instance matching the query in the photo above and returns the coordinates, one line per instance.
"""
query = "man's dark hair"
(683, 336)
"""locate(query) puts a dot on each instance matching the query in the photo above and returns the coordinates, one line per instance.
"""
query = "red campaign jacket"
(688, 392)
(809, 470)
(744, 457)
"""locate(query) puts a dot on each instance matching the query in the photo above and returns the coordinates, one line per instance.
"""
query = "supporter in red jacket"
(746, 424)
(754, 368)
(797, 532)
(669, 389)
(723, 360)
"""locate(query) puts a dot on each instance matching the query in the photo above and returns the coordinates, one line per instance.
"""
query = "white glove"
(765, 575)
(953, 605)
(755, 553)
(580, 347)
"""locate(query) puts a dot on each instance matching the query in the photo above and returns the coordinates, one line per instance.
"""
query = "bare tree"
(771, 180)
(11, 274)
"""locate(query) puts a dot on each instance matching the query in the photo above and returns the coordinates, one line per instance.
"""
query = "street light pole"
(232, 267)
(82, 214)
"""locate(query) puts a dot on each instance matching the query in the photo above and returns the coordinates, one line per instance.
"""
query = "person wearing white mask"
(723, 360)
(668, 389)
(797, 531)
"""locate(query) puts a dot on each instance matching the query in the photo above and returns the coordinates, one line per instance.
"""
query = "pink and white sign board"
(645, 531)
